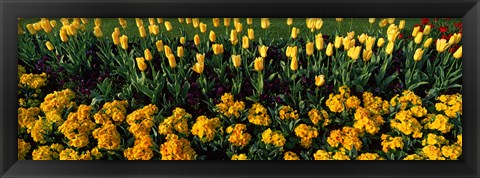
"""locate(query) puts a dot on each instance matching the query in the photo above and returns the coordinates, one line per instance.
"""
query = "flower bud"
(309, 48)
(339, 19)
(122, 22)
(217, 49)
(159, 45)
(226, 22)
(354, 52)
(171, 61)
(159, 20)
(198, 67)
(263, 50)
(233, 37)
(216, 22)
(139, 22)
(196, 40)
(338, 41)
(115, 38)
(181, 20)
(389, 48)
(97, 32)
(168, 26)
(319, 80)
(458, 53)
(124, 42)
(418, 54)
(180, 53)
(426, 30)
(329, 50)
(258, 64)
(154, 29)
(200, 57)
(249, 21)
(251, 34)
(380, 42)
(391, 20)
(367, 54)
(427, 43)
(203, 27)
(382, 23)
(289, 21)
(235, 21)
(46, 26)
(71, 30)
(31, 29)
(238, 27)
(245, 42)
(151, 21)
(294, 64)
(237, 60)
(418, 38)
(141, 63)
(49, 46)
(148, 55)
(188, 20)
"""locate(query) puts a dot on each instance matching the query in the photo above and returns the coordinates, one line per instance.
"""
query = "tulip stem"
(451, 67)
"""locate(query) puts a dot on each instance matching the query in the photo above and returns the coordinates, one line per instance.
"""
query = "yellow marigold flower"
(366, 121)
(407, 124)
(178, 122)
(435, 140)
(258, 115)
(33, 81)
(432, 152)
(316, 116)
(340, 155)
(239, 157)
(70, 154)
(78, 127)
(42, 153)
(369, 156)
(439, 122)
(418, 111)
(322, 155)
(273, 137)
(205, 128)
(287, 112)
(27, 117)
(107, 136)
(23, 149)
(239, 136)
(141, 149)
(391, 143)
(352, 102)
(140, 121)
(452, 152)
(413, 157)
(290, 156)
(306, 134)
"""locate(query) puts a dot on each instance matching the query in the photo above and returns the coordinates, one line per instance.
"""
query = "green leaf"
(412, 87)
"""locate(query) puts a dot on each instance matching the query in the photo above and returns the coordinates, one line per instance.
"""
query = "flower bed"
(240, 89)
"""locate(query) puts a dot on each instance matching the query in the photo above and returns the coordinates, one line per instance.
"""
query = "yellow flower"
(168, 26)
(188, 20)
(236, 60)
(442, 45)
(212, 37)
(338, 41)
(251, 34)
(389, 48)
(258, 64)
(49, 46)
(380, 42)
(226, 22)
(116, 38)
(258, 115)
(371, 20)
(418, 38)
(418, 54)
(63, 34)
(382, 23)
(46, 26)
(141, 63)
(53, 23)
(249, 21)
(354, 53)
(124, 42)
(309, 48)
(319, 42)
(263, 51)
(455, 38)
(458, 53)
(294, 63)
(180, 52)
(318, 23)
(401, 24)
(205, 128)
(369, 42)
(339, 19)
(427, 43)
(265, 23)
(171, 61)
(306, 134)
(217, 49)
(391, 20)
(329, 51)
(415, 31)
(319, 80)
(159, 45)
(239, 135)
(159, 20)
(426, 30)
(122, 22)
(200, 57)
(198, 67)
(245, 42)
(289, 21)
(196, 40)
(367, 54)
(238, 27)
(216, 22)
(154, 29)
(233, 37)
(148, 55)
(182, 40)
(142, 32)
(295, 32)
(273, 137)
(203, 27)
(239, 157)
(290, 156)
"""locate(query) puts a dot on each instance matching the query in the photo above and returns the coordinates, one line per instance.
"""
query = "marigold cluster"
(178, 122)
(141, 120)
(33, 81)
(347, 138)
(290, 156)
(408, 98)
(205, 128)
(407, 124)
(450, 105)
(339, 102)
(107, 136)
(176, 148)
(367, 121)
(273, 137)
(258, 115)
(238, 135)
(71, 154)
(78, 127)
(27, 117)
(375, 104)
(229, 107)
(141, 149)
(319, 115)
(115, 110)
(239, 157)
(391, 143)
(23, 148)
(369, 156)
(287, 112)
(437, 122)
(306, 134)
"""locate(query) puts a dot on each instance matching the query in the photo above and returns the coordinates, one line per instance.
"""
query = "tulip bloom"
(455, 38)
(203, 27)
(154, 29)
(458, 53)
(295, 32)
(216, 22)
(427, 43)
(265, 23)
(141, 63)
(383, 23)
(235, 21)
(367, 54)
(350, 35)
(196, 40)
(212, 37)
(318, 24)
(63, 35)
(418, 54)
(171, 61)
(181, 20)
(249, 21)
(98, 22)
(139, 22)
(289, 21)
(151, 21)
(442, 45)
(258, 64)
(309, 48)
(389, 48)
(391, 20)
(237, 60)
(198, 67)
(354, 52)
(371, 20)
(245, 42)
(226, 22)
(251, 34)
(426, 30)
(124, 42)
(188, 20)
(49, 46)
(148, 55)
(418, 38)
(263, 50)
(415, 31)
(182, 40)
(401, 24)
(167, 50)
(319, 42)
(338, 41)
(319, 80)
(159, 20)
(238, 27)
(347, 43)
(97, 32)
(31, 29)
(159, 45)
(369, 42)
(294, 64)
(200, 57)
(53, 23)
(329, 51)
(122, 22)
(168, 26)
(115, 38)
(180, 52)
(380, 42)
(362, 38)
(217, 49)
(46, 26)
(71, 30)
(233, 37)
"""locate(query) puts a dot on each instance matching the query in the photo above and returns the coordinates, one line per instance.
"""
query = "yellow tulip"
(294, 64)
(196, 40)
(310, 22)
(295, 32)
(389, 48)
(393, 33)
(122, 22)
(289, 21)
(427, 43)
(64, 21)
(49, 46)
(401, 24)
(203, 27)
(46, 26)
(318, 23)
(19, 29)
(97, 32)
(369, 42)
(362, 38)
(124, 42)
(31, 29)
(292, 51)
(84, 20)
(182, 40)
(159, 45)
(263, 50)
(117, 30)
(354, 52)
(139, 22)
(455, 38)
(167, 50)
(249, 21)
(216, 22)
(226, 22)
(53, 23)
(442, 45)
(188, 20)
(98, 22)
(350, 35)
(380, 42)
(198, 67)
(339, 19)
(237, 60)
(148, 55)
(217, 49)
(141, 63)
(309, 48)
(371, 20)
(115, 38)
(171, 61)
(154, 29)
(245, 42)
(200, 57)
(391, 20)
(251, 34)
(382, 23)
(329, 51)
(258, 64)
(71, 30)
(168, 26)
(458, 37)
(418, 54)
(63, 35)
(426, 30)
(233, 37)
(212, 37)
(338, 41)
(367, 54)
(415, 31)
(347, 43)
(151, 21)
(265, 23)
(235, 21)
(159, 20)
(180, 52)
(319, 80)
(418, 38)
(181, 20)
(458, 53)
(319, 42)
(238, 27)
